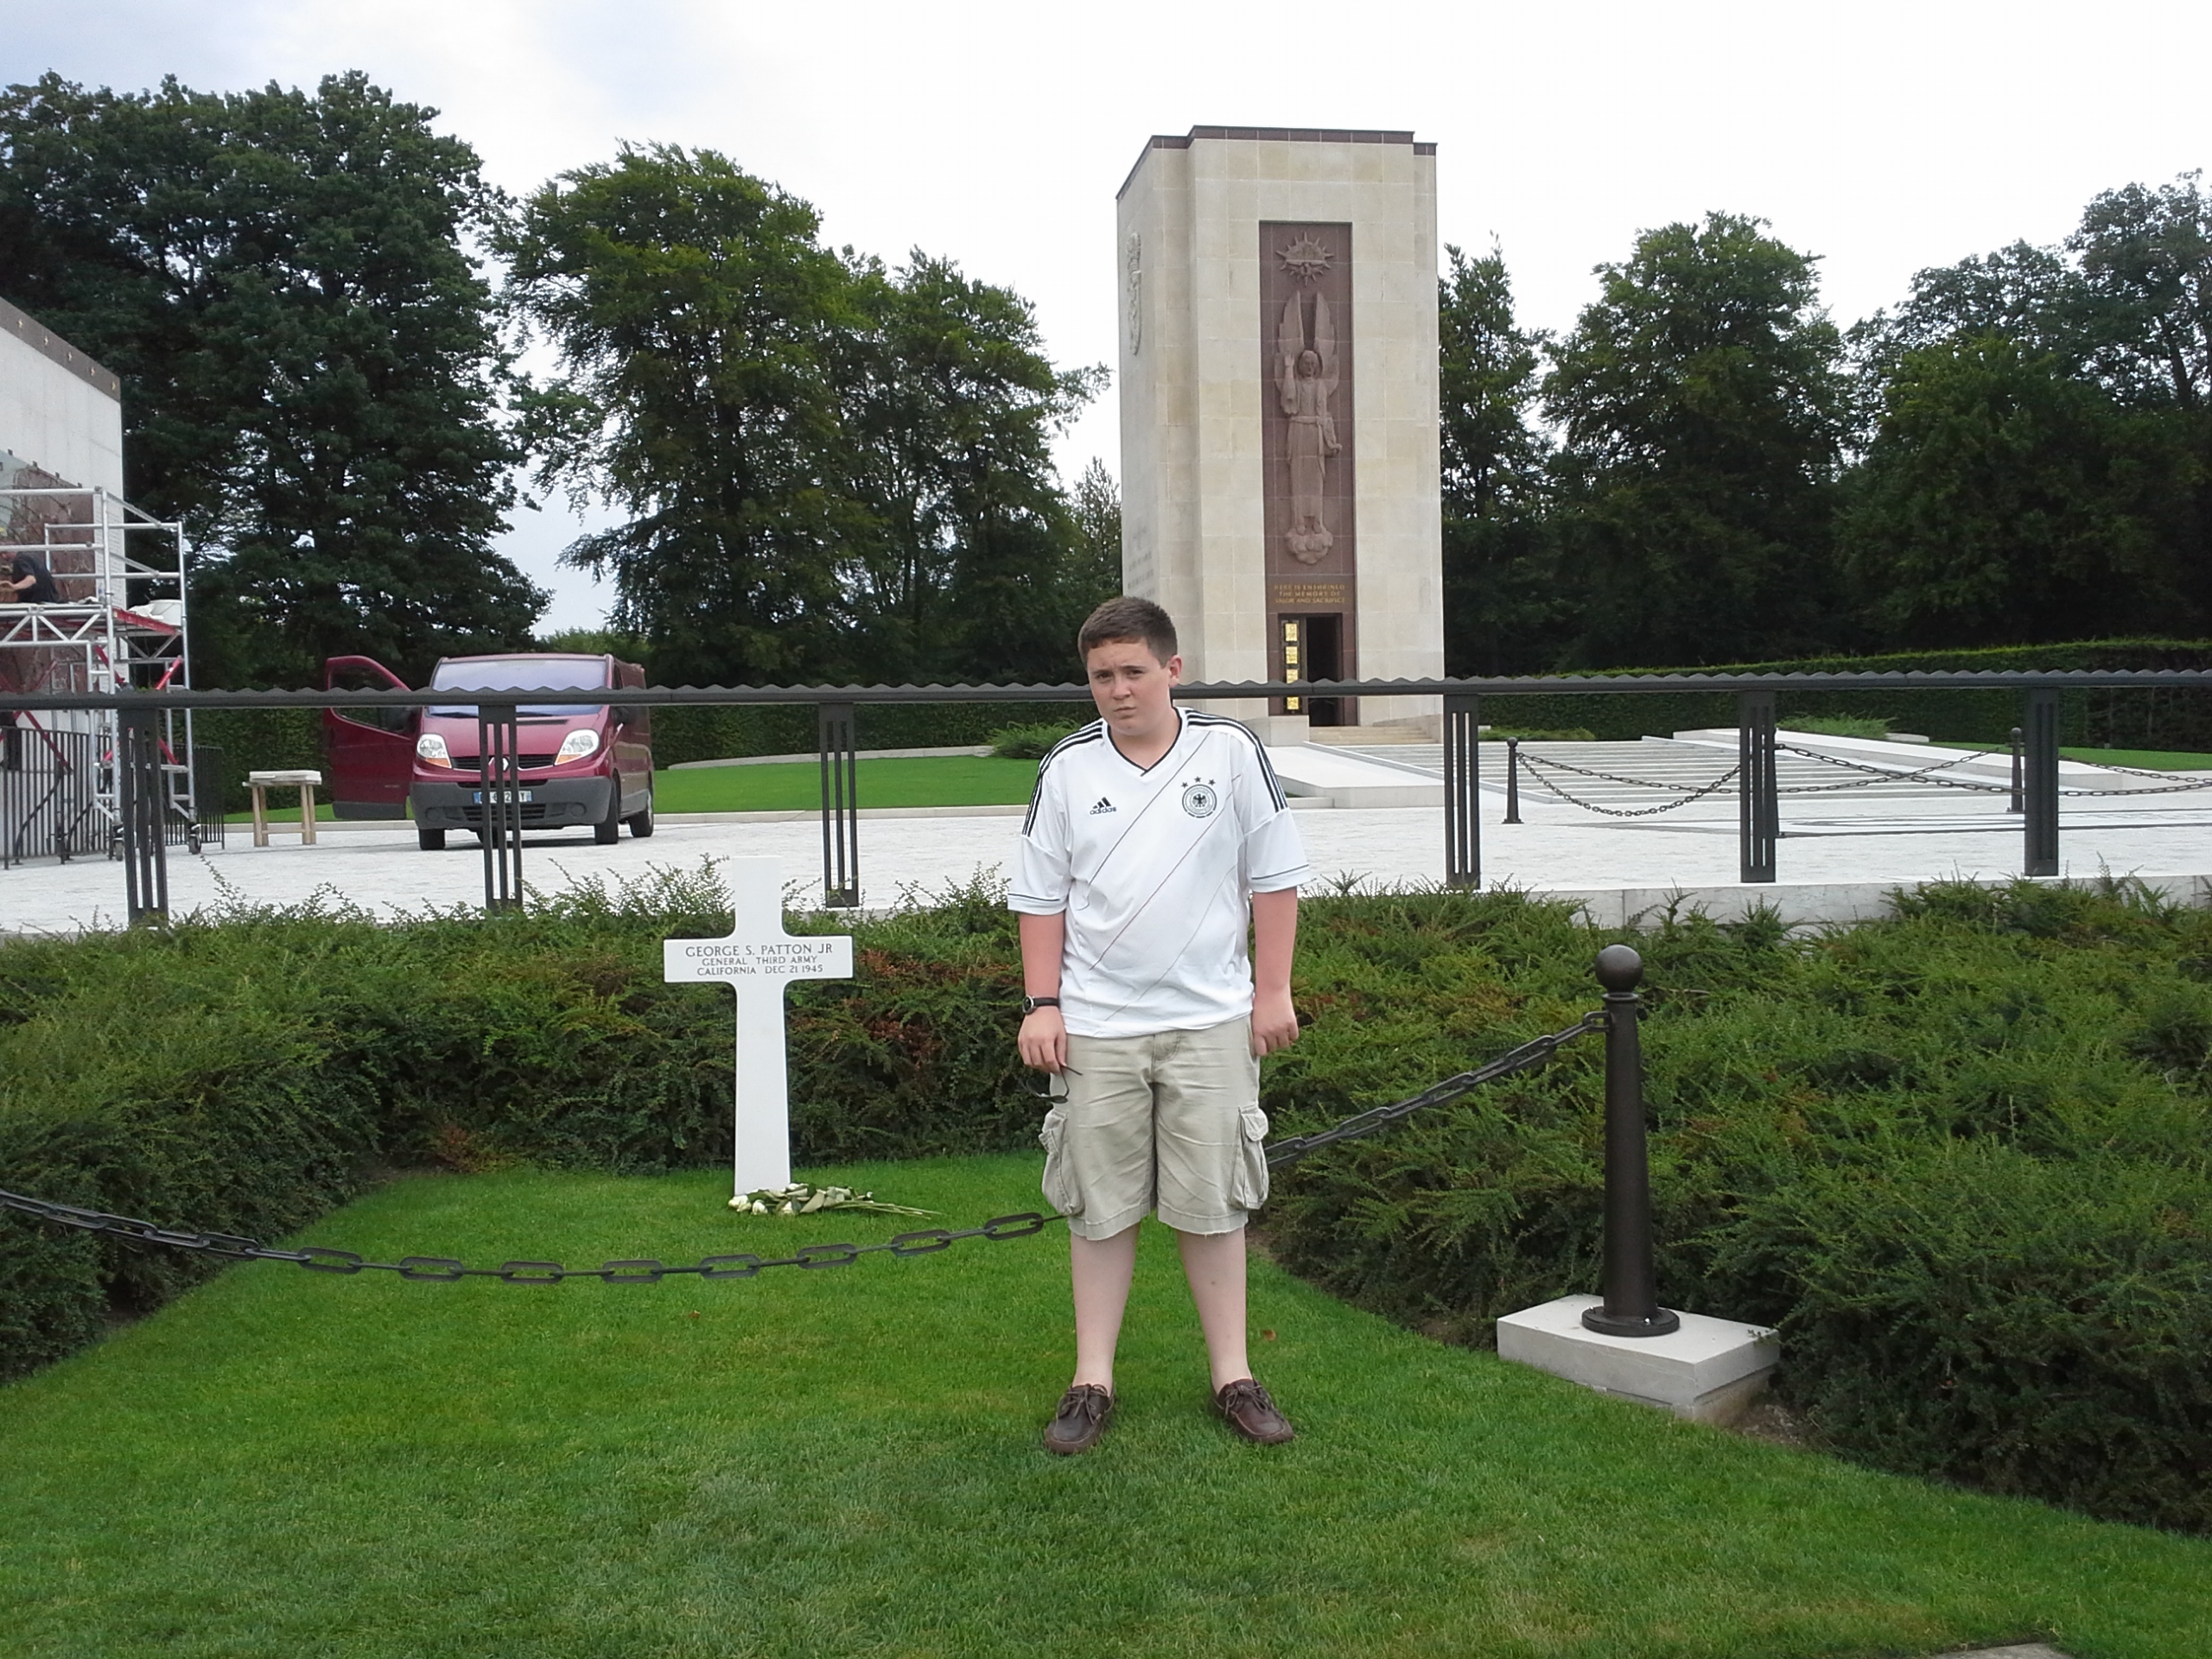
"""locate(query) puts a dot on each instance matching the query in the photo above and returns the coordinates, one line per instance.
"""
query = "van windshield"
(523, 674)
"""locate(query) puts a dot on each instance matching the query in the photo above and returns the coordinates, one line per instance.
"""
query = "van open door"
(372, 750)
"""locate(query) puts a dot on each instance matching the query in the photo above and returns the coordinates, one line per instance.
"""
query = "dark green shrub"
(1960, 1158)
(1030, 743)
(1839, 724)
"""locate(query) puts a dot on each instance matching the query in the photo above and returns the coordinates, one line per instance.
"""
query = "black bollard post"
(1631, 1288)
(1513, 780)
(2017, 804)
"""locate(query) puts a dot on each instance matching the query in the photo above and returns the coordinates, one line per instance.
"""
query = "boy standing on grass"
(1155, 835)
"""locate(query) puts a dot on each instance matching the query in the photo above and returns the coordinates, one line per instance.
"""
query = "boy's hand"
(1275, 1022)
(1043, 1040)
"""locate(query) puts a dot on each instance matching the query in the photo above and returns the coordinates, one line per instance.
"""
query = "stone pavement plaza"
(1841, 853)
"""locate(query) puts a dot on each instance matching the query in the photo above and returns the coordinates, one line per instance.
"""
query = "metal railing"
(1461, 700)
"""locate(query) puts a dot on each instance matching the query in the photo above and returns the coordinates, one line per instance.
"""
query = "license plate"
(499, 796)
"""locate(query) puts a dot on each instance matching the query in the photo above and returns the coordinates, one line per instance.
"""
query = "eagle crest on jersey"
(1200, 800)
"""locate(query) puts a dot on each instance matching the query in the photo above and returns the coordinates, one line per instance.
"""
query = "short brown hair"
(1119, 620)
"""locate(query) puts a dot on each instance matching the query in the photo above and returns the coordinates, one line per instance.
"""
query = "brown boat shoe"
(1079, 1420)
(1252, 1414)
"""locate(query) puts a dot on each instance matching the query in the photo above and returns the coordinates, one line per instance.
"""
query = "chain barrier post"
(1462, 836)
(499, 769)
(2042, 781)
(1632, 1285)
(2015, 804)
(1759, 807)
(841, 807)
(139, 797)
(1513, 780)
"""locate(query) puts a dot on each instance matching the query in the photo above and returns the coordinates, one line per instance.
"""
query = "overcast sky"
(1884, 138)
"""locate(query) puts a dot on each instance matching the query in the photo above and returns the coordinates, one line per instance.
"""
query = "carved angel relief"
(1136, 294)
(1305, 379)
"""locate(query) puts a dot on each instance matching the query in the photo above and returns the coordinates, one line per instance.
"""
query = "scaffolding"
(119, 625)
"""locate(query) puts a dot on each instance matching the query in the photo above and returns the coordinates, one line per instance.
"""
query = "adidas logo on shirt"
(1104, 806)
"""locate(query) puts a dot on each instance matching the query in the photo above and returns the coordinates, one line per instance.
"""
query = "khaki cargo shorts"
(1169, 1122)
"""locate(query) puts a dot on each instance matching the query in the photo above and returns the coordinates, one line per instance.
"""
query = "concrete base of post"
(1710, 1370)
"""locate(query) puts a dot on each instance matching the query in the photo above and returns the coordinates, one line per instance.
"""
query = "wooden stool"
(260, 782)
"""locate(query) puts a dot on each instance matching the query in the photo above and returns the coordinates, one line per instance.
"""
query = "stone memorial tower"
(1279, 474)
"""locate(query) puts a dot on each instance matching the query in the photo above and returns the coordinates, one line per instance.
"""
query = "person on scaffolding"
(1155, 837)
(29, 582)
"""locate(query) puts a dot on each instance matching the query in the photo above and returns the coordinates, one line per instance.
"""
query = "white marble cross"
(757, 959)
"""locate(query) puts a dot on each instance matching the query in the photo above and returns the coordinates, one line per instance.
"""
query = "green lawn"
(934, 780)
(795, 787)
(2159, 760)
(2162, 760)
(287, 1464)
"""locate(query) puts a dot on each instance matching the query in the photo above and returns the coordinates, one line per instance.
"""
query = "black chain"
(1926, 775)
(646, 1270)
(1533, 1052)
(319, 1258)
(1689, 795)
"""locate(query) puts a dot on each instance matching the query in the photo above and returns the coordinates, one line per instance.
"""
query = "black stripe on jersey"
(1090, 734)
(1267, 771)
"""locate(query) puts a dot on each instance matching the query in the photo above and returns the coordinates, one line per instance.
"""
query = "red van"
(580, 764)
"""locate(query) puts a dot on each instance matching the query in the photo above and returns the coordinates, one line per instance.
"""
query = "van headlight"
(431, 750)
(576, 745)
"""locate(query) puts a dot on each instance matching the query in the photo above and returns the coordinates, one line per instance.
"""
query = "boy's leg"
(1100, 1269)
(1214, 1263)
(1098, 1169)
(1212, 1172)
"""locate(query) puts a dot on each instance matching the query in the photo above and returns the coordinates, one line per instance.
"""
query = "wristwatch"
(1030, 1004)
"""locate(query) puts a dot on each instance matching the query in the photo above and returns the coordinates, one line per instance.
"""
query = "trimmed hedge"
(1961, 1158)
(2127, 719)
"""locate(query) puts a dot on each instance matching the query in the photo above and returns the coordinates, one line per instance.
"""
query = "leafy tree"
(831, 470)
(1703, 412)
(1503, 608)
(1096, 570)
(2039, 462)
(975, 569)
(698, 324)
(2146, 268)
(310, 359)
(2005, 501)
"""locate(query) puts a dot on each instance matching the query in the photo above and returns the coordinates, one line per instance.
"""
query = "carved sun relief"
(1306, 259)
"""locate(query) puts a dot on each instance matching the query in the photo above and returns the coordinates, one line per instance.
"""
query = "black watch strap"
(1030, 1004)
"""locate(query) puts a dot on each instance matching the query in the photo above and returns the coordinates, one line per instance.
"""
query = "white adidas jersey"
(1152, 867)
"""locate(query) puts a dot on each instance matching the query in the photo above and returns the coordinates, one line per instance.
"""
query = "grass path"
(846, 1462)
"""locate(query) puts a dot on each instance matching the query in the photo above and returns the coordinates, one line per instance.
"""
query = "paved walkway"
(1841, 853)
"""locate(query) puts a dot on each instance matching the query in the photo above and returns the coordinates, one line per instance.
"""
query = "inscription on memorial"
(1309, 596)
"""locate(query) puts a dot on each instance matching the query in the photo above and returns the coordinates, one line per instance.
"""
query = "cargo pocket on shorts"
(1060, 1189)
(1250, 1189)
